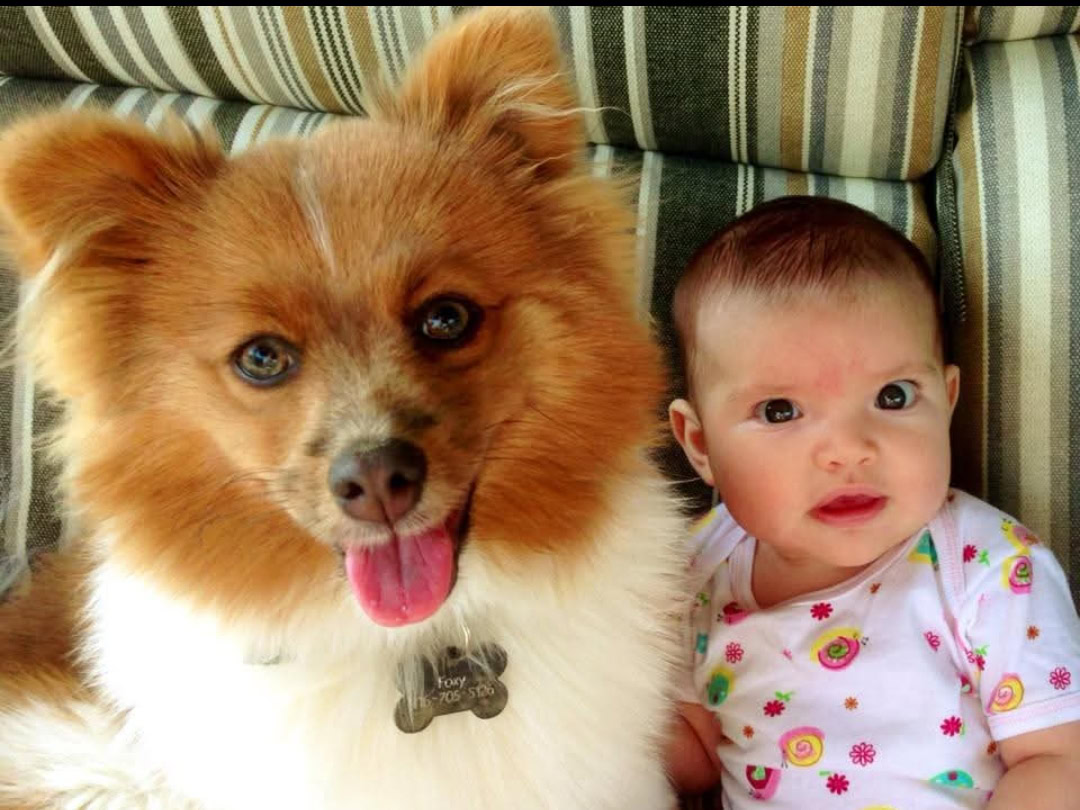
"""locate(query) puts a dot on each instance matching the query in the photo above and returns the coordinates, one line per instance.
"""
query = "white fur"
(589, 641)
(307, 193)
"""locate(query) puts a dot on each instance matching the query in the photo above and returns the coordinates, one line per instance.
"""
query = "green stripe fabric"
(852, 91)
(1005, 23)
(1017, 174)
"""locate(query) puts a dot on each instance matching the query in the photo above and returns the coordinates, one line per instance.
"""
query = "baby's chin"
(856, 552)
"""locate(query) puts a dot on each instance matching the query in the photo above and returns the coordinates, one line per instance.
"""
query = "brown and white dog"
(341, 414)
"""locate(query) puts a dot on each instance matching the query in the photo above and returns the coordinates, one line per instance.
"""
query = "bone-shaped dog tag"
(453, 682)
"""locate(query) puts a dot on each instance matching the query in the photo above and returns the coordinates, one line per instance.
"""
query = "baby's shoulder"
(987, 542)
(713, 538)
(998, 532)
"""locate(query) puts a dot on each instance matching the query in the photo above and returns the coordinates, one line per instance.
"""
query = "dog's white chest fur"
(588, 664)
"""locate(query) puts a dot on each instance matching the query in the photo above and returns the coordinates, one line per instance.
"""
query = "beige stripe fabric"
(582, 60)
(648, 210)
(637, 76)
(793, 86)
(1017, 168)
(20, 474)
(1004, 23)
(830, 89)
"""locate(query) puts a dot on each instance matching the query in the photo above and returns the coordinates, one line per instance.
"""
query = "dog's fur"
(198, 644)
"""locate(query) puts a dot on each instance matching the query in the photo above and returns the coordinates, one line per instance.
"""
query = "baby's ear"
(496, 78)
(952, 386)
(686, 426)
(94, 185)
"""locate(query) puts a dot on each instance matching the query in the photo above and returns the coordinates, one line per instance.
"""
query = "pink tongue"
(404, 580)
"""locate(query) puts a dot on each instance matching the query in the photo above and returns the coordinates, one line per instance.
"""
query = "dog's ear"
(89, 183)
(496, 77)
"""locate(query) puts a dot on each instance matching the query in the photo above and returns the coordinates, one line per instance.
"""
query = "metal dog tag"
(455, 681)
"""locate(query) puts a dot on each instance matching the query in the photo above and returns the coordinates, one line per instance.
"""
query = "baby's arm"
(1042, 770)
(692, 763)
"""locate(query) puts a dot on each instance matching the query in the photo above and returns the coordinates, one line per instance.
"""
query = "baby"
(868, 637)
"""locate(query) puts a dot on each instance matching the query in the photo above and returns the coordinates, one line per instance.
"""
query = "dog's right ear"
(496, 77)
(93, 185)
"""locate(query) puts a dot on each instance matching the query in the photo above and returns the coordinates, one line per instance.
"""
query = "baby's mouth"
(849, 509)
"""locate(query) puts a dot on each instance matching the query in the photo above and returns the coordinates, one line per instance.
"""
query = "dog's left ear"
(496, 77)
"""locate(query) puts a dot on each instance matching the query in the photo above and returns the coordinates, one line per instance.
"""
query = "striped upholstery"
(853, 91)
(238, 124)
(697, 195)
(1003, 23)
(846, 93)
(1017, 170)
(28, 522)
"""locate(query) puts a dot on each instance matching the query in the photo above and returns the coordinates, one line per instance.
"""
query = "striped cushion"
(1017, 169)
(238, 124)
(680, 201)
(853, 91)
(1002, 23)
(28, 521)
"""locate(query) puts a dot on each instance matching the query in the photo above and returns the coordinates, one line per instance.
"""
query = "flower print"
(731, 613)
(875, 587)
(969, 552)
(862, 754)
(966, 687)
(821, 611)
(1060, 678)
(787, 654)
(733, 652)
(748, 731)
(984, 557)
(1033, 632)
(774, 708)
(991, 749)
(977, 657)
(851, 704)
(933, 639)
(951, 726)
(837, 783)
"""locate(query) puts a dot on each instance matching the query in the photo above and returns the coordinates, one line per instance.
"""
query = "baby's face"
(825, 422)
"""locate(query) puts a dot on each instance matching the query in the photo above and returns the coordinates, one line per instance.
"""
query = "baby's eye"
(896, 396)
(777, 411)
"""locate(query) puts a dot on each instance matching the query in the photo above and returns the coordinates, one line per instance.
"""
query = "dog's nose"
(379, 484)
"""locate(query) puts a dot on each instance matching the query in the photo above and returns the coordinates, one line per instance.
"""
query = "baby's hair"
(791, 246)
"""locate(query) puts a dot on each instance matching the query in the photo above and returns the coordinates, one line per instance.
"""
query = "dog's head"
(355, 352)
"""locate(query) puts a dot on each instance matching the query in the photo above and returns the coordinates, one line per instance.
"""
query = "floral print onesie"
(892, 689)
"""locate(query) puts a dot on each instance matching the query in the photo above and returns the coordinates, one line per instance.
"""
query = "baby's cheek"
(759, 490)
(923, 467)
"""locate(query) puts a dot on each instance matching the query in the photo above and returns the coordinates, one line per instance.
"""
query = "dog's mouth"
(406, 579)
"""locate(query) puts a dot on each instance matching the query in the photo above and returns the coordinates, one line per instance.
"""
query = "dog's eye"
(266, 360)
(448, 320)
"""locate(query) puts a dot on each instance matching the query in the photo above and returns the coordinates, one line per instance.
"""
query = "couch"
(958, 125)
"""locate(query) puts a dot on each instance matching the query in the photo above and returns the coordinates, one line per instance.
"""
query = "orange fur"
(214, 492)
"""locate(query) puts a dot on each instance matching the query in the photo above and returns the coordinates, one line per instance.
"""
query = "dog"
(356, 442)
